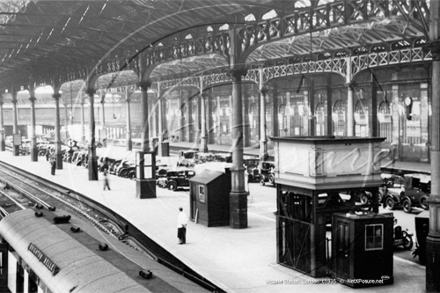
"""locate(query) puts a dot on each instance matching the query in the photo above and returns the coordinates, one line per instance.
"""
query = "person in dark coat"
(53, 165)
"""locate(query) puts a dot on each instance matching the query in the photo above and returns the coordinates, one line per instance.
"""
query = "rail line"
(26, 189)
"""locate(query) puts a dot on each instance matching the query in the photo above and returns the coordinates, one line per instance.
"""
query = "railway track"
(20, 189)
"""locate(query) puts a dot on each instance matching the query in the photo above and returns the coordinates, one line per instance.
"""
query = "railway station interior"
(332, 93)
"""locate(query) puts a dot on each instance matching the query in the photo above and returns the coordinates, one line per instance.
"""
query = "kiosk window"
(374, 237)
(202, 193)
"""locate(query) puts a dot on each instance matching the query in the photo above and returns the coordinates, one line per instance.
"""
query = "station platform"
(236, 260)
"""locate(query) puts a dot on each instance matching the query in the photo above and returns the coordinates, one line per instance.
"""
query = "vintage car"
(267, 172)
(251, 165)
(409, 191)
(175, 178)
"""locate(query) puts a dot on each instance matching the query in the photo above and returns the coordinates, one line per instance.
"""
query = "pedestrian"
(47, 154)
(106, 185)
(182, 221)
(52, 166)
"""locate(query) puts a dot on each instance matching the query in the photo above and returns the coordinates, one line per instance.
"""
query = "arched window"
(384, 119)
(339, 120)
(282, 121)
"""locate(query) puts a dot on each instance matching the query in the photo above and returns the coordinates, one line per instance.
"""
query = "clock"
(408, 101)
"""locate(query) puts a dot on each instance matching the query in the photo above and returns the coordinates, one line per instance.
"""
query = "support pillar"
(263, 137)
(350, 100)
(34, 148)
(311, 100)
(83, 127)
(433, 239)
(163, 142)
(145, 133)
(93, 160)
(128, 138)
(58, 154)
(238, 196)
(203, 134)
(103, 128)
(15, 148)
(2, 127)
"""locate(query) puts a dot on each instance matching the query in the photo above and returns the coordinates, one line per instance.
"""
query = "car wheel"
(123, 173)
(390, 203)
(363, 198)
(271, 179)
(172, 185)
(132, 175)
(380, 195)
(424, 203)
(407, 206)
(407, 241)
(262, 181)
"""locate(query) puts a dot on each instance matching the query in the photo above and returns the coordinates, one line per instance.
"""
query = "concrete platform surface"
(237, 260)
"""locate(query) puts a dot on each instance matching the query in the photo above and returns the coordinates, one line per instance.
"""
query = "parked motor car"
(267, 172)
(175, 178)
(412, 190)
(253, 173)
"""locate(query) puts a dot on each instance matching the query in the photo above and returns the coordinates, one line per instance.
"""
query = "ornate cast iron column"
(238, 197)
(16, 148)
(83, 127)
(58, 154)
(2, 127)
(34, 148)
(127, 102)
(103, 128)
(145, 134)
(93, 161)
(163, 143)
(203, 135)
(263, 138)
(350, 100)
(433, 239)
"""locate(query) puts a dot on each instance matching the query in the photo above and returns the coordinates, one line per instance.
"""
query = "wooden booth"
(362, 248)
(209, 198)
(317, 177)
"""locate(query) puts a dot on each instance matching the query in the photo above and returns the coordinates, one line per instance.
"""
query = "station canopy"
(44, 37)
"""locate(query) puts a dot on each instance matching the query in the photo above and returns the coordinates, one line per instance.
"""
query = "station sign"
(46, 261)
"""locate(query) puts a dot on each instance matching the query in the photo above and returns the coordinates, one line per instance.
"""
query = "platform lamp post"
(433, 239)
(2, 127)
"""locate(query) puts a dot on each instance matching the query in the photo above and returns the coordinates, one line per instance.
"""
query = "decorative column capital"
(349, 86)
(90, 91)
(433, 46)
(56, 96)
(145, 84)
(263, 91)
(237, 73)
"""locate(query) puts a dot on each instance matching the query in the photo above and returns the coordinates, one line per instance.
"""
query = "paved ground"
(237, 260)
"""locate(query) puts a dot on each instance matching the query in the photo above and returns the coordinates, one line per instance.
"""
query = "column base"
(34, 155)
(163, 149)
(93, 170)
(432, 264)
(16, 150)
(238, 209)
(59, 158)
(145, 188)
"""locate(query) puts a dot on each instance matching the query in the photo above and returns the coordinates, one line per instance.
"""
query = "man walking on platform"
(106, 185)
(182, 221)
